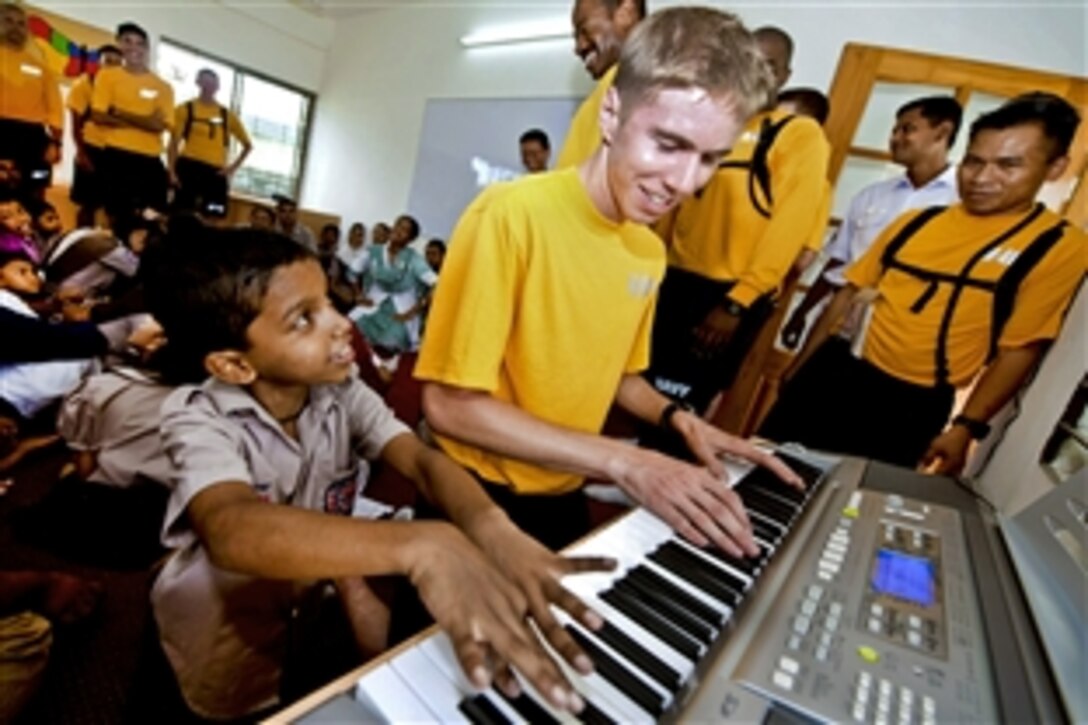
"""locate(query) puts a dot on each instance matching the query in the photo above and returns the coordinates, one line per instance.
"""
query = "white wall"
(384, 64)
(281, 41)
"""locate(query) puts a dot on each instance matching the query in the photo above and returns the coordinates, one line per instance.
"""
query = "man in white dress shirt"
(924, 132)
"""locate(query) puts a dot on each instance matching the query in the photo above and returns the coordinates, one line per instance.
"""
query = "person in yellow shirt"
(31, 113)
(542, 315)
(600, 27)
(87, 179)
(203, 128)
(978, 286)
(134, 107)
(730, 251)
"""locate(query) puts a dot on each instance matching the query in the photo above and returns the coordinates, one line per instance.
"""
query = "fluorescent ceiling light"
(552, 29)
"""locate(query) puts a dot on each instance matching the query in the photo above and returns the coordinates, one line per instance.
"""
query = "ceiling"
(351, 8)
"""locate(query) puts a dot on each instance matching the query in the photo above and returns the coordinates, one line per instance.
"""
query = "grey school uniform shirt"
(225, 633)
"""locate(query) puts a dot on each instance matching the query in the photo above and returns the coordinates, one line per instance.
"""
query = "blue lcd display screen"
(907, 577)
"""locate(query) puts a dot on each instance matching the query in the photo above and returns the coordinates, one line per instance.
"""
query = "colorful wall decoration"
(68, 46)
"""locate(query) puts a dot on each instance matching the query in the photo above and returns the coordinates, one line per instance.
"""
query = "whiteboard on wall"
(467, 143)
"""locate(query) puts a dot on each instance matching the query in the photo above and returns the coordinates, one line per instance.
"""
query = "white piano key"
(384, 692)
(430, 684)
(607, 698)
(653, 684)
(438, 650)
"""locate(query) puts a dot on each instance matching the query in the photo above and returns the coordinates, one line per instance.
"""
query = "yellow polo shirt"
(902, 341)
(205, 142)
(29, 90)
(545, 304)
(720, 235)
(138, 94)
(815, 240)
(79, 102)
(584, 134)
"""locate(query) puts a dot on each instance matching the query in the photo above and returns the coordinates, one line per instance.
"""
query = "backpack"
(1004, 289)
(189, 120)
(758, 171)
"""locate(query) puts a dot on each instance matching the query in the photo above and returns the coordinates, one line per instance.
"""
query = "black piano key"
(480, 711)
(613, 671)
(765, 504)
(533, 712)
(593, 715)
(699, 573)
(653, 623)
(713, 617)
(749, 565)
(766, 531)
(641, 657)
(811, 475)
(670, 610)
(768, 482)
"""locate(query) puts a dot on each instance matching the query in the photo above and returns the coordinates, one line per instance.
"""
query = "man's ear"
(1056, 168)
(230, 366)
(610, 116)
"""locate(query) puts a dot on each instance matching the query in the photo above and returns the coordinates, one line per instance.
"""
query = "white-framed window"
(277, 116)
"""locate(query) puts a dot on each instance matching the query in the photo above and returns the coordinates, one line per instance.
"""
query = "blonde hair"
(694, 47)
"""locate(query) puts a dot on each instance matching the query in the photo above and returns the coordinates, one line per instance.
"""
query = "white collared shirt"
(878, 205)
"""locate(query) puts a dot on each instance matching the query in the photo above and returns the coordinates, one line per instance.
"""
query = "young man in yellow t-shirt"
(600, 27)
(203, 128)
(134, 107)
(542, 315)
(732, 248)
(87, 178)
(978, 286)
(31, 114)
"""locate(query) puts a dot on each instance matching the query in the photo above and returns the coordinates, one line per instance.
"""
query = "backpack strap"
(225, 120)
(188, 120)
(759, 173)
(1009, 284)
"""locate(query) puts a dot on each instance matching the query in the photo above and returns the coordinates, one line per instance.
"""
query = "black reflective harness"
(1004, 289)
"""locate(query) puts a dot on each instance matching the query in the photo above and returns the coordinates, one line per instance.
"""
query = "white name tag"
(30, 70)
(216, 120)
(148, 93)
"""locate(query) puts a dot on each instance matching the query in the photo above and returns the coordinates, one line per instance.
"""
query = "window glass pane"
(977, 104)
(857, 173)
(276, 119)
(876, 123)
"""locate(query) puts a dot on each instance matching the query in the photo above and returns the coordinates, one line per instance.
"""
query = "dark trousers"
(841, 404)
(134, 182)
(676, 371)
(201, 188)
(25, 144)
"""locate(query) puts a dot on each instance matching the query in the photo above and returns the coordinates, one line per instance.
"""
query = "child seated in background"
(28, 389)
(264, 458)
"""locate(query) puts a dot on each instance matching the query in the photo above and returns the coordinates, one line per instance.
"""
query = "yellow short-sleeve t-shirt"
(584, 134)
(545, 304)
(903, 334)
(135, 93)
(205, 141)
(79, 102)
(719, 234)
(29, 90)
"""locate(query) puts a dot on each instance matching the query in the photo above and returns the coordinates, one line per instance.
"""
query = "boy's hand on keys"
(485, 616)
(536, 572)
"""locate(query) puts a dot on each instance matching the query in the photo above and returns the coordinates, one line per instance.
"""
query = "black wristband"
(670, 410)
(977, 428)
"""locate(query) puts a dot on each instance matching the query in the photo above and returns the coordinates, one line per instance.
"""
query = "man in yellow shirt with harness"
(982, 285)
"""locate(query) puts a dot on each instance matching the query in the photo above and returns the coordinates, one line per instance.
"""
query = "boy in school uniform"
(980, 286)
(542, 315)
(87, 179)
(264, 454)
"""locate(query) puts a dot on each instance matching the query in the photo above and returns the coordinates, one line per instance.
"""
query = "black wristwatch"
(672, 409)
(733, 307)
(977, 428)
